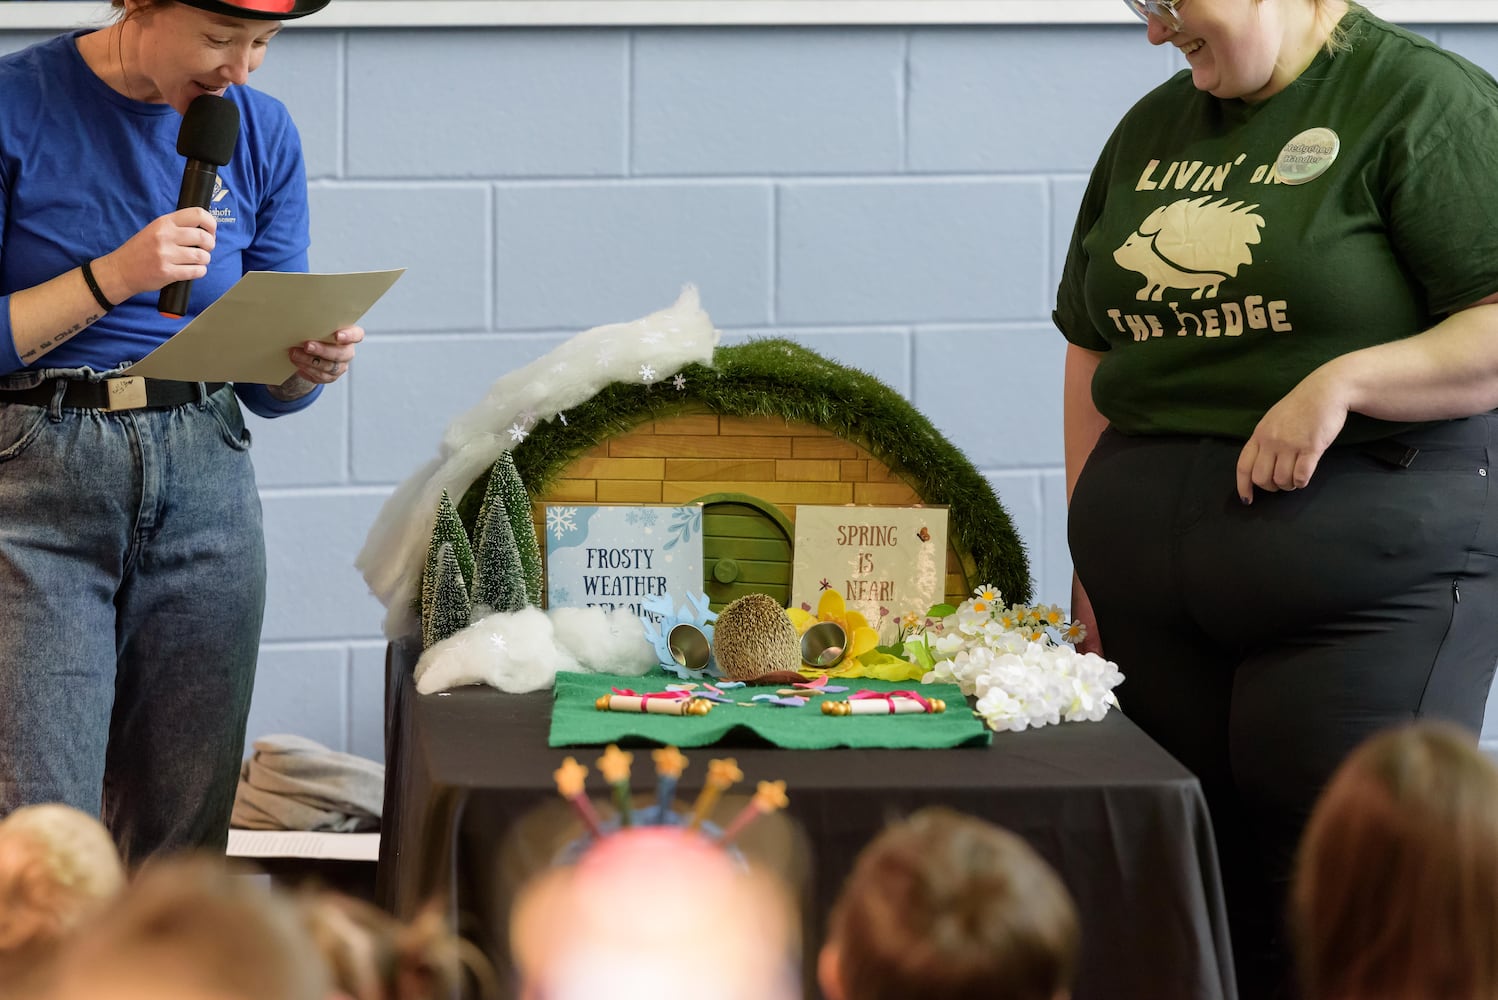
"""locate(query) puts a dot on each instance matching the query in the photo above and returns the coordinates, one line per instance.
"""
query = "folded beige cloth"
(293, 783)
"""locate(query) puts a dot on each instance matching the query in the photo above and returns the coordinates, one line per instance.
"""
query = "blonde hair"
(1396, 887)
(1336, 40)
(946, 906)
(58, 865)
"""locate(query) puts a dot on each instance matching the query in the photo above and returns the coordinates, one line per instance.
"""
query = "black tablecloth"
(1122, 821)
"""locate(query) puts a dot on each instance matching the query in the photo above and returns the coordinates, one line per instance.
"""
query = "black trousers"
(1260, 644)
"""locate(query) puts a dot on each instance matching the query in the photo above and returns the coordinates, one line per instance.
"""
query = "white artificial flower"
(1018, 682)
(947, 645)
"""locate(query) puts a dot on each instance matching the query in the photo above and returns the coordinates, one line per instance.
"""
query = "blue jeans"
(132, 578)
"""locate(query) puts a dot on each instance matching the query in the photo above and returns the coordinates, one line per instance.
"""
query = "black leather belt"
(113, 394)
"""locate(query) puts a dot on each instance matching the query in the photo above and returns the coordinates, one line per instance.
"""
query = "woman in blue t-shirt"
(132, 559)
(1281, 299)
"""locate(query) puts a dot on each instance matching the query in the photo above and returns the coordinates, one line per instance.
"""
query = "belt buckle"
(126, 393)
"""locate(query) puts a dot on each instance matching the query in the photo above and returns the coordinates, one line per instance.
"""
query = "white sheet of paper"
(244, 336)
(303, 844)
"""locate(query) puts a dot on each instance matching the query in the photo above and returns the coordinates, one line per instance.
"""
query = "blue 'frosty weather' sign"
(618, 556)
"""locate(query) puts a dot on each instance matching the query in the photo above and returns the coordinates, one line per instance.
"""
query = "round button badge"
(1307, 156)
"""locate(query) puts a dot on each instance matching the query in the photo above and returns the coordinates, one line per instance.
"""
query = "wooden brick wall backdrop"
(680, 459)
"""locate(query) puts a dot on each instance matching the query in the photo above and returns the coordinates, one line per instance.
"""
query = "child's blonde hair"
(58, 866)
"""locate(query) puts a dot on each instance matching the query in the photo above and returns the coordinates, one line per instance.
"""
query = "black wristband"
(93, 286)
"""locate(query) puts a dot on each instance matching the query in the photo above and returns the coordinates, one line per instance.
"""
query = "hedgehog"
(754, 641)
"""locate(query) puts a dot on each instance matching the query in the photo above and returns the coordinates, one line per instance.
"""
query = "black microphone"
(207, 137)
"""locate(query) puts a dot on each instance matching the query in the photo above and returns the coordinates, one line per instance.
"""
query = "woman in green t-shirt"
(1281, 299)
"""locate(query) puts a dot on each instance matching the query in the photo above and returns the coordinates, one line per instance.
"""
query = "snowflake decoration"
(659, 617)
(680, 381)
(646, 373)
(653, 337)
(563, 418)
(498, 641)
(560, 520)
(518, 432)
(560, 367)
(604, 359)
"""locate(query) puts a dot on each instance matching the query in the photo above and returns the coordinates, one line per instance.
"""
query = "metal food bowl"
(689, 646)
(823, 645)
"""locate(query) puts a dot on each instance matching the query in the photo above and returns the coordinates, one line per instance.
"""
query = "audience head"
(1396, 888)
(193, 929)
(58, 866)
(371, 955)
(655, 913)
(944, 906)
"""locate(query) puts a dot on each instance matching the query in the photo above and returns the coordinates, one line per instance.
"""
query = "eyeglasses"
(1165, 10)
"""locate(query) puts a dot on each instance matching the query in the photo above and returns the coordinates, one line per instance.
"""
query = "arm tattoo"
(58, 340)
(293, 388)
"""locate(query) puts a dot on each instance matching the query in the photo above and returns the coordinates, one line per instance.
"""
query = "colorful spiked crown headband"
(615, 765)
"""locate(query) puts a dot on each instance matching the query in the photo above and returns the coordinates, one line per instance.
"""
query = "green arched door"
(747, 547)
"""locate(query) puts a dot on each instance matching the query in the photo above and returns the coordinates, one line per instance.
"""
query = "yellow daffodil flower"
(831, 608)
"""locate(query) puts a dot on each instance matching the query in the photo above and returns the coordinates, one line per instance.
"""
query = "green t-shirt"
(1214, 287)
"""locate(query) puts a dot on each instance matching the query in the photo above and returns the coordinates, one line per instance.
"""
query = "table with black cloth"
(1124, 824)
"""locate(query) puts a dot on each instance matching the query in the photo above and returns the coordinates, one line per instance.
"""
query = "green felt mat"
(575, 721)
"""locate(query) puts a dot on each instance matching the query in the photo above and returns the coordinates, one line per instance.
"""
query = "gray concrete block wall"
(898, 199)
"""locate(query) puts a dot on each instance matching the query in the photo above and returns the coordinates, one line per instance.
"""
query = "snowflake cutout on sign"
(680, 381)
(646, 373)
(560, 520)
(560, 596)
(641, 515)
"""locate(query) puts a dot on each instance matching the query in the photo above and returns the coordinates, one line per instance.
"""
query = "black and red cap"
(259, 10)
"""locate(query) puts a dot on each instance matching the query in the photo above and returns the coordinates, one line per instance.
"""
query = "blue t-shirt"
(83, 168)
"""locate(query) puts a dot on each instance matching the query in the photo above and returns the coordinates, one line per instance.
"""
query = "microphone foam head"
(209, 129)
